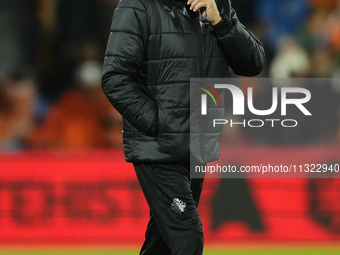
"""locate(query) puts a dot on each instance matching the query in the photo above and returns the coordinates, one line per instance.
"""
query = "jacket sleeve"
(122, 65)
(243, 51)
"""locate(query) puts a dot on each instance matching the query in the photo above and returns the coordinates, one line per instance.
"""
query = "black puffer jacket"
(154, 48)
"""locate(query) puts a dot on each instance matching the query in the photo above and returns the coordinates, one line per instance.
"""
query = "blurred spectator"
(322, 64)
(18, 95)
(82, 30)
(280, 17)
(290, 60)
(18, 37)
(324, 4)
(313, 35)
(82, 118)
(84, 19)
(334, 28)
(319, 39)
(62, 37)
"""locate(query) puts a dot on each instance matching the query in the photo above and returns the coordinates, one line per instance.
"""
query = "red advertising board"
(94, 197)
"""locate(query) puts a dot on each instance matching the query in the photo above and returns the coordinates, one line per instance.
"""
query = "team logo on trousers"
(178, 206)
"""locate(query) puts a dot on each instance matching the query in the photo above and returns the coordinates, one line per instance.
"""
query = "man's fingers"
(198, 6)
(194, 3)
(208, 7)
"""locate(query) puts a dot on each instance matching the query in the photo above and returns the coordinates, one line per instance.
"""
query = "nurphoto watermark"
(231, 120)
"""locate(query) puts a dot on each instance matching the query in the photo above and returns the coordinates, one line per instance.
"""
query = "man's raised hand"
(208, 9)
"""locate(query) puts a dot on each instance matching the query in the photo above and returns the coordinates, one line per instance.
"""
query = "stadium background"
(64, 185)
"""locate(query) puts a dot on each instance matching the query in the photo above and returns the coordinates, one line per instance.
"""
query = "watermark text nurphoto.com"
(269, 168)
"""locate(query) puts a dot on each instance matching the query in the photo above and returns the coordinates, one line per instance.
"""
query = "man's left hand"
(208, 9)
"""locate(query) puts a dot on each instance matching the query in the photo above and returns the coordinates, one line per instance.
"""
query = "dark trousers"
(174, 227)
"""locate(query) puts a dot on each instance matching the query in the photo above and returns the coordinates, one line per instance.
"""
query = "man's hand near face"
(208, 9)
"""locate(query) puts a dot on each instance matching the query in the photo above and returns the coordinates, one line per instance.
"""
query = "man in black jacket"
(154, 47)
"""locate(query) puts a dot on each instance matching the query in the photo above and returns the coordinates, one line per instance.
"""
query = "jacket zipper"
(200, 46)
(201, 75)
